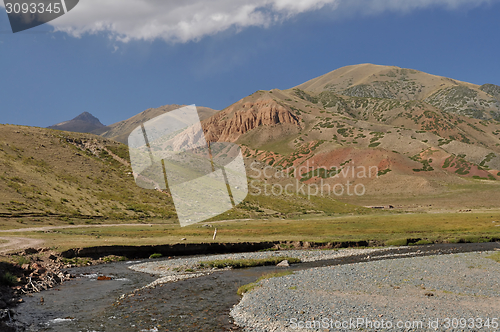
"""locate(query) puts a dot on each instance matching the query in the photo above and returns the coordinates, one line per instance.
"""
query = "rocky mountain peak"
(83, 123)
(87, 117)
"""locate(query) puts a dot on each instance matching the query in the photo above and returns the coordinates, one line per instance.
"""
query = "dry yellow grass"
(451, 227)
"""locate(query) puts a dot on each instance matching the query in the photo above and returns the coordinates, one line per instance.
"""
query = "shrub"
(157, 255)
(385, 171)
(422, 242)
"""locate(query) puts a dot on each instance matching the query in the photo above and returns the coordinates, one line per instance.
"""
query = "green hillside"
(49, 173)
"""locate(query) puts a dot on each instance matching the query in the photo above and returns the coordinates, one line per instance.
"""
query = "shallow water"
(87, 304)
(199, 304)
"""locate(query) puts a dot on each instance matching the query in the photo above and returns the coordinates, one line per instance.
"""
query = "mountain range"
(433, 140)
(427, 135)
(87, 123)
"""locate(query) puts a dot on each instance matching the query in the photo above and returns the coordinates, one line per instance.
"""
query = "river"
(198, 304)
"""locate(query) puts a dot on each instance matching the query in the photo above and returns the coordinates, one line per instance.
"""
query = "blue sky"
(125, 65)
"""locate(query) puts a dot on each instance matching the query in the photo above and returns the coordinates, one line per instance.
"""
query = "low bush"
(78, 261)
(473, 239)
(156, 256)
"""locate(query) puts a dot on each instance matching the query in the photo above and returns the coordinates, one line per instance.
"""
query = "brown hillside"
(121, 130)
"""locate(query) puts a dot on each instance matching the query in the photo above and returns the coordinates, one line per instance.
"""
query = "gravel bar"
(178, 266)
(441, 292)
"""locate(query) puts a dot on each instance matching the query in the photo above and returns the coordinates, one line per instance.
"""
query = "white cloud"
(191, 20)
(177, 20)
(378, 6)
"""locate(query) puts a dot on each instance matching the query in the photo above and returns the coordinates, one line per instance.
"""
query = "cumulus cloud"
(191, 20)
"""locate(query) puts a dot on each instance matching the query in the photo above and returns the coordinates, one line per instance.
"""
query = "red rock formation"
(230, 124)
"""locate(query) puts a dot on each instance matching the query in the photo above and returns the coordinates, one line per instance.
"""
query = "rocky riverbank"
(172, 287)
(32, 271)
(444, 292)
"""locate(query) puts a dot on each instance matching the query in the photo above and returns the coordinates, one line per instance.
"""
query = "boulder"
(283, 263)
(5, 314)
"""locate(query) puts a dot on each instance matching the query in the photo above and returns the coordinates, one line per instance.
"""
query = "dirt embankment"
(183, 249)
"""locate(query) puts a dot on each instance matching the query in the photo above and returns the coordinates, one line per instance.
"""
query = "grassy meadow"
(382, 228)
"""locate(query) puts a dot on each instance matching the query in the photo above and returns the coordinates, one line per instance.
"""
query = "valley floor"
(390, 226)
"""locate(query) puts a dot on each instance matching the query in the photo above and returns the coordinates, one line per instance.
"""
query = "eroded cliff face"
(230, 124)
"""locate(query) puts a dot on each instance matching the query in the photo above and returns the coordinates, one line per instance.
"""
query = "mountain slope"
(46, 172)
(397, 120)
(83, 123)
(121, 130)
(373, 81)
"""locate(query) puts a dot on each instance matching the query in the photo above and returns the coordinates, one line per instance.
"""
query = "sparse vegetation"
(53, 181)
(495, 257)
(113, 258)
(70, 178)
(21, 260)
(77, 261)
(248, 287)
(383, 172)
(157, 255)
(8, 279)
(243, 263)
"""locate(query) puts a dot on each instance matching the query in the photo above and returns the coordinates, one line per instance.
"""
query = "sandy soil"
(45, 228)
(16, 243)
